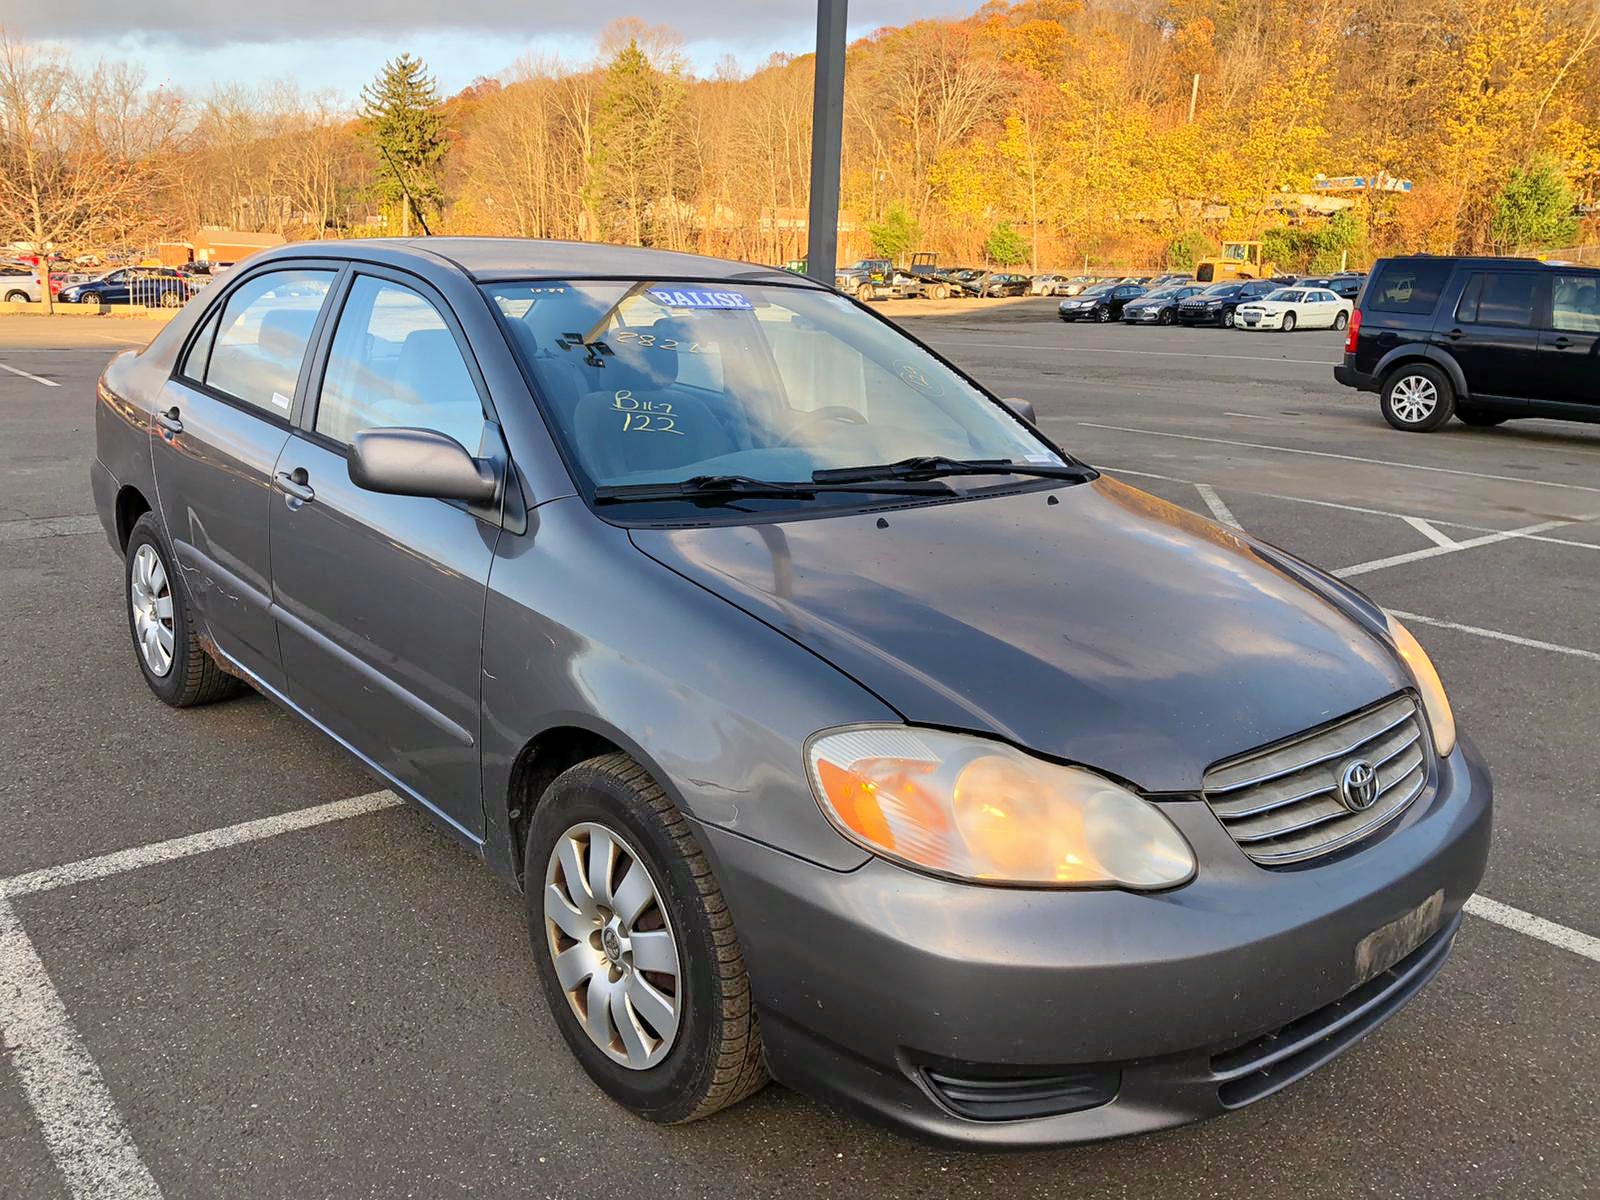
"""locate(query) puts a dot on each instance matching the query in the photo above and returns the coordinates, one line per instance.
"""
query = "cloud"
(219, 22)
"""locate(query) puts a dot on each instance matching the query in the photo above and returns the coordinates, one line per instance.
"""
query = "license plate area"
(1388, 944)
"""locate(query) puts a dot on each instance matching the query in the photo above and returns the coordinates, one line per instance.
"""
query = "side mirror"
(1021, 408)
(419, 462)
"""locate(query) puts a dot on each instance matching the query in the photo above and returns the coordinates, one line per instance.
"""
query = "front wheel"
(1417, 398)
(1341, 321)
(1227, 319)
(1288, 322)
(635, 946)
(1167, 316)
(941, 292)
(1102, 314)
(174, 663)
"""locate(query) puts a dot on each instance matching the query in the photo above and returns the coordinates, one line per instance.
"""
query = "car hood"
(1105, 627)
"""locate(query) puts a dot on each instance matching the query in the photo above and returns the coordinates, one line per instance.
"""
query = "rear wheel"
(1341, 321)
(1417, 398)
(1288, 322)
(941, 292)
(635, 946)
(174, 663)
(171, 299)
(13, 297)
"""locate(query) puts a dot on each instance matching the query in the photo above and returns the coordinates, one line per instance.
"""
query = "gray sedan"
(835, 723)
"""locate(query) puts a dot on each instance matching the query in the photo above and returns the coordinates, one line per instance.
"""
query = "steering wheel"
(803, 430)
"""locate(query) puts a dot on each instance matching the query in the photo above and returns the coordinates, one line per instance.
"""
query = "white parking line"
(1514, 639)
(29, 375)
(1428, 530)
(1535, 927)
(196, 843)
(81, 1125)
(1313, 362)
(1377, 462)
(1219, 510)
(1449, 547)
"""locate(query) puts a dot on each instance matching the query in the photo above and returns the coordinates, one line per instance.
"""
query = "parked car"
(905, 286)
(1004, 734)
(1291, 308)
(1347, 285)
(1103, 303)
(1159, 306)
(153, 286)
(1173, 279)
(1002, 283)
(1217, 303)
(1046, 285)
(19, 283)
(1483, 339)
(1078, 283)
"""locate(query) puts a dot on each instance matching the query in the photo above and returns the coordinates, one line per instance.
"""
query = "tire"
(1102, 314)
(1480, 420)
(171, 299)
(941, 292)
(14, 297)
(1227, 319)
(1417, 398)
(1287, 324)
(864, 292)
(88, 297)
(1167, 317)
(713, 1057)
(1341, 321)
(191, 676)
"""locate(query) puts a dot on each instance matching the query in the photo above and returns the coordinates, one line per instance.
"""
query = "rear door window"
(1407, 287)
(261, 343)
(1498, 298)
(1575, 303)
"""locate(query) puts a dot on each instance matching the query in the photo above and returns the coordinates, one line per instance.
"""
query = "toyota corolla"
(835, 722)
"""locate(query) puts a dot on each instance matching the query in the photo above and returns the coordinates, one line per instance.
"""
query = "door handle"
(296, 485)
(1561, 343)
(170, 420)
(1455, 335)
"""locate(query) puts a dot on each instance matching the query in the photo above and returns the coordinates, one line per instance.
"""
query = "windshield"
(1160, 293)
(663, 381)
(1288, 295)
(1220, 289)
(1099, 289)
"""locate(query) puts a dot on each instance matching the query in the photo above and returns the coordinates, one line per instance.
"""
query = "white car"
(1291, 308)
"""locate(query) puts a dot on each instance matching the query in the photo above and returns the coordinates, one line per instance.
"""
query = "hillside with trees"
(1047, 131)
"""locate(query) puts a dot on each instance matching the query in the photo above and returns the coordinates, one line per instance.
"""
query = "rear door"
(380, 598)
(1569, 345)
(221, 421)
(1493, 335)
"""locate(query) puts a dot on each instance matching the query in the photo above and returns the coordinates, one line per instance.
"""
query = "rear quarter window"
(1407, 287)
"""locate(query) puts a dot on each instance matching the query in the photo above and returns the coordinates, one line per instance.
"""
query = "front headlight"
(978, 810)
(1434, 702)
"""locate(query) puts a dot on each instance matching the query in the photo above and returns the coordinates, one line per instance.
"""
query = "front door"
(380, 598)
(1493, 336)
(221, 422)
(1569, 346)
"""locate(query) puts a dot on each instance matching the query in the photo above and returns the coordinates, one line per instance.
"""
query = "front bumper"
(867, 980)
(1244, 320)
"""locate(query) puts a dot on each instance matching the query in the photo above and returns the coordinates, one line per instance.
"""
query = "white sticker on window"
(282, 401)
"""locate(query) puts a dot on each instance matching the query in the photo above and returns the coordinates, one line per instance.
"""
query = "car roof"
(489, 260)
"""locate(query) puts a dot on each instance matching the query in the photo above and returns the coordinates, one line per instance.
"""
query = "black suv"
(1485, 339)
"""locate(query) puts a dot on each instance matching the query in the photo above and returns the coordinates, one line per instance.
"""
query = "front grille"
(1274, 1060)
(1018, 1097)
(1283, 804)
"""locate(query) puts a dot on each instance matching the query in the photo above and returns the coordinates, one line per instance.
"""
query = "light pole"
(827, 142)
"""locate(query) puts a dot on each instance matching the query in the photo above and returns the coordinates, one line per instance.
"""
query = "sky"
(333, 44)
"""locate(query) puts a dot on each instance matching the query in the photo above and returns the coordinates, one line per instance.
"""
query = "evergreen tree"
(405, 124)
(1004, 246)
(638, 136)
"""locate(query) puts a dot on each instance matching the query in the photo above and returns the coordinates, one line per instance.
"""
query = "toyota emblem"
(1358, 785)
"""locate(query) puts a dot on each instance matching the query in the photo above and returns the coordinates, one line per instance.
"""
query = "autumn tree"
(406, 129)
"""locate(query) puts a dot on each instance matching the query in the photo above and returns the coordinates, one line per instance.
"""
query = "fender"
(1436, 355)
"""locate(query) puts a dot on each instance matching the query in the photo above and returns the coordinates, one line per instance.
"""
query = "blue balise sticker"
(695, 298)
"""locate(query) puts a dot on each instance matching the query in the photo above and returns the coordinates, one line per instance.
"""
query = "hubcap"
(150, 599)
(1414, 398)
(612, 945)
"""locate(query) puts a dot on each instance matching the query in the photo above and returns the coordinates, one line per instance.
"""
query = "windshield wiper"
(737, 487)
(932, 466)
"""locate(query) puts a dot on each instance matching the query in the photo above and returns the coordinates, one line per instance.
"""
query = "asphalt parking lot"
(216, 980)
